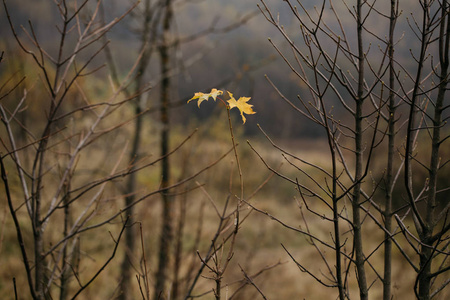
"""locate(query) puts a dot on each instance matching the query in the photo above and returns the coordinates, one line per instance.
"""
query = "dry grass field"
(258, 249)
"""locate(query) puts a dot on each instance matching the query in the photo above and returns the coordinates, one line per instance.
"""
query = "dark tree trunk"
(167, 213)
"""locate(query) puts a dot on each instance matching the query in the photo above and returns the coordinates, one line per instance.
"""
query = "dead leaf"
(242, 105)
(204, 97)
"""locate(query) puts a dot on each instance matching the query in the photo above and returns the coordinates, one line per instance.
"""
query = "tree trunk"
(38, 230)
(426, 255)
(65, 267)
(356, 201)
(390, 160)
(167, 230)
(130, 237)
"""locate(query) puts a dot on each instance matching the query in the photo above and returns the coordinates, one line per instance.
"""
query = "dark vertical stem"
(419, 223)
(337, 238)
(167, 230)
(356, 201)
(218, 287)
(437, 119)
(38, 173)
(38, 232)
(424, 227)
(16, 297)
(130, 237)
(65, 267)
(390, 159)
(18, 228)
(427, 252)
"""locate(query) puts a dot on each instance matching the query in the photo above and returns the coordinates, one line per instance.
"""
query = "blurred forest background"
(223, 45)
(226, 54)
(116, 188)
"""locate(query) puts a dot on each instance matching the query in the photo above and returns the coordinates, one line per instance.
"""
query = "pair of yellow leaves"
(241, 103)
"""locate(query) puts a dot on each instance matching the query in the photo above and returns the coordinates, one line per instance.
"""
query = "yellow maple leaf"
(203, 96)
(241, 104)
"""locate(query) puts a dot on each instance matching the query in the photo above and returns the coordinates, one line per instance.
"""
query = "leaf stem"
(241, 181)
